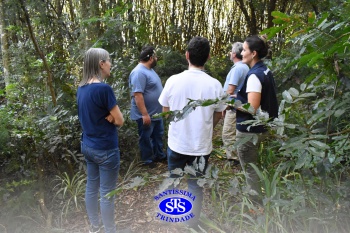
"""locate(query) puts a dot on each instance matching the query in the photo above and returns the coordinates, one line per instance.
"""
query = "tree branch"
(41, 54)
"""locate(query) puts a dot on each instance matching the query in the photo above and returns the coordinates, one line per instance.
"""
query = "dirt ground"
(135, 208)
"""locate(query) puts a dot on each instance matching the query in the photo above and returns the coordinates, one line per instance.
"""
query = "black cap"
(146, 53)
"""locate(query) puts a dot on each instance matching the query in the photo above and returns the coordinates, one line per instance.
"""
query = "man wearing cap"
(146, 87)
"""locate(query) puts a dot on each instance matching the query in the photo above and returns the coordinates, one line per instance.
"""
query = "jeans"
(151, 140)
(102, 174)
(229, 134)
(248, 153)
(177, 160)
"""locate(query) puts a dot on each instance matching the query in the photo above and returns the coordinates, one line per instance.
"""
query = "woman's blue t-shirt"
(95, 101)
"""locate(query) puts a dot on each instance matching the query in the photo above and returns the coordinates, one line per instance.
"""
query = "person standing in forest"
(259, 90)
(146, 87)
(233, 80)
(99, 115)
(190, 139)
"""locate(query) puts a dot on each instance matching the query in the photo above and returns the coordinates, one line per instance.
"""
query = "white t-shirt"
(193, 134)
(253, 84)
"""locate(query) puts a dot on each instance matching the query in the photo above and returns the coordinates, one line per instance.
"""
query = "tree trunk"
(245, 13)
(49, 77)
(272, 7)
(95, 28)
(71, 11)
(84, 29)
(4, 47)
(131, 33)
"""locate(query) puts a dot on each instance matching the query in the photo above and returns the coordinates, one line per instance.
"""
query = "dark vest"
(268, 102)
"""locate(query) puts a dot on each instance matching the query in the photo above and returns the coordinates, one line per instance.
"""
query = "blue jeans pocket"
(97, 156)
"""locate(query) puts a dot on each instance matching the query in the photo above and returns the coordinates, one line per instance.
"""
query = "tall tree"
(4, 44)
(49, 78)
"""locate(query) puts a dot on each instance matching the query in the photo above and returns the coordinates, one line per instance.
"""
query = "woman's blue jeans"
(102, 173)
(151, 140)
(177, 160)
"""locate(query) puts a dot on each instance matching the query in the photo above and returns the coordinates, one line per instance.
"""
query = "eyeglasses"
(108, 59)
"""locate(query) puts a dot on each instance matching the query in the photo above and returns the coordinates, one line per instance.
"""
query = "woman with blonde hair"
(99, 115)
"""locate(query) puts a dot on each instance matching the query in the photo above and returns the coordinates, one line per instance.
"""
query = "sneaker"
(95, 229)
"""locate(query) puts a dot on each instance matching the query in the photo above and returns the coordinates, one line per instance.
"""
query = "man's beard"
(154, 63)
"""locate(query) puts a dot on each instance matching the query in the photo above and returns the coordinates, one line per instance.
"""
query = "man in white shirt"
(190, 139)
(234, 79)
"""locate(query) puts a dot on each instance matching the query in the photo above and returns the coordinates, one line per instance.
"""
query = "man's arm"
(216, 118)
(231, 89)
(140, 103)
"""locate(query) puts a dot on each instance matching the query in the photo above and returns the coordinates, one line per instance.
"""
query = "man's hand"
(224, 113)
(146, 120)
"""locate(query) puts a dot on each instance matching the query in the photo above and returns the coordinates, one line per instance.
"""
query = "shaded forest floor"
(135, 208)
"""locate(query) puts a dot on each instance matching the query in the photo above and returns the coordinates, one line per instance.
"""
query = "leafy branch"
(177, 115)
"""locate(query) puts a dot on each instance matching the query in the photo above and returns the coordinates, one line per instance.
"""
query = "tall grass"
(292, 203)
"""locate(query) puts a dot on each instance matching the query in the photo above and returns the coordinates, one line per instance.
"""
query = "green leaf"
(190, 170)
(294, 92)
(278, 14)
(137, 181)
(306, 58)
(215, 172)
(337, 26)
(303, 86)
(246, 106)
(53, 118)
(326, 25)
(311, 17)
(201, 182)
(315, 59)
(167, 182)
(323, 19)
(313, 151)
(303, 161)
(318, 144)
(287, 97)
(339, 112)
(271, 32)
(297, 33)
(306, 95)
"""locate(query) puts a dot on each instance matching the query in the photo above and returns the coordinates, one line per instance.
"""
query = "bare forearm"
(115, 117)
(216, 118)
(140, 103)
(231, 89)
